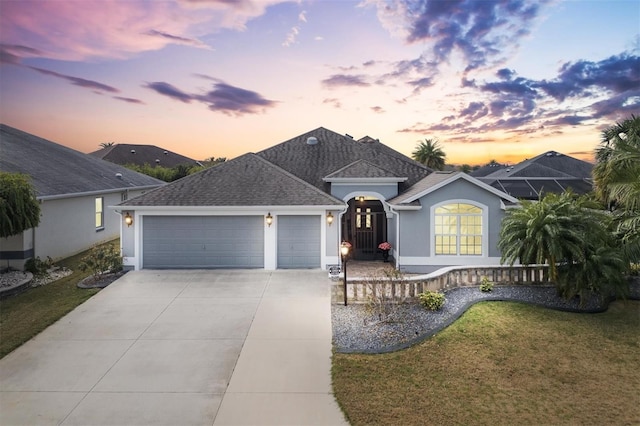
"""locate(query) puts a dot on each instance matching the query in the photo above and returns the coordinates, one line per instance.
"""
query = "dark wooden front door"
(365, 228)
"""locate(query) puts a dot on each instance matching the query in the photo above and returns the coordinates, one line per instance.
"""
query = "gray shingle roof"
(57, 170)
(548, 172)
(361, 169)
(140, 155)
(333, 151)
(247, 180)
(430, 181)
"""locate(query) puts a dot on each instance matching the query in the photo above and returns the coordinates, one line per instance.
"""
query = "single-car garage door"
(203, 242)
(298, 242)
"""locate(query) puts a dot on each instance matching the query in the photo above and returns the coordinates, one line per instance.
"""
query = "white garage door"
(203, 242)
(298, 242)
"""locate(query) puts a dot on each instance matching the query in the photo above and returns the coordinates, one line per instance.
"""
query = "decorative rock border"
(17, 288)
(105, 280)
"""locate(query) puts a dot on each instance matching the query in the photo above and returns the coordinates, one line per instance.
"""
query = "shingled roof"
(124, 153)
(56, 170)
(362, 169)
(248, 180)
(330, 152)
(548, 172)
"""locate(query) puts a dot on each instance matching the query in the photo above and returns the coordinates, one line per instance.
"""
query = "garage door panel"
(298, 242)
(203, 242)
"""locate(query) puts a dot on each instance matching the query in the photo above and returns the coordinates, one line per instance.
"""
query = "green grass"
(27, 314)
(503, 364)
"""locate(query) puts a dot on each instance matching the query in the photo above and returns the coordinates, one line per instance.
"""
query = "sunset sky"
(503, 80)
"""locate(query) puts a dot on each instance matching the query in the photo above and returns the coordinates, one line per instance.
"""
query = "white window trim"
(95, 213)
(485, 230)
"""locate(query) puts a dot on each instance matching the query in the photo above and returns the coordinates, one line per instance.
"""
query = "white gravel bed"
(356, 329)
(12, 278)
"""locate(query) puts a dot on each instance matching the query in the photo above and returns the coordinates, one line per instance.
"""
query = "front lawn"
(27, 314)
(503, 363)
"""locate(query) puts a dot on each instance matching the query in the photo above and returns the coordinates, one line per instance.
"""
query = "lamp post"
(344, 251)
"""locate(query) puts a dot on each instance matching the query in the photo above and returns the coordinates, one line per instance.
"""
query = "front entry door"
(368, 230)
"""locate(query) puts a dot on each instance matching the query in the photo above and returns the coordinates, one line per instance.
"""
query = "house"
(74, 190)
(291, 205)
(548, 172)
(139, 155)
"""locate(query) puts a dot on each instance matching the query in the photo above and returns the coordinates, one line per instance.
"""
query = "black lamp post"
(344, 252)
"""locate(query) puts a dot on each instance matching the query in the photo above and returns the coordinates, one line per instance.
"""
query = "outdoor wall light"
(329, 218)
(361, 198)
(269, 219)
(128, 219)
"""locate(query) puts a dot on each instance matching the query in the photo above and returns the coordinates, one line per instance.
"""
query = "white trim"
(405, 261)
(99, 192)
(213, 210)
(469, 179)
(365, 181)
(485, 231)
(271, 244)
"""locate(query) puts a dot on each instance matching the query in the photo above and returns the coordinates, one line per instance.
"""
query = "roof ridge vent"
(133, 151)
(312, 140)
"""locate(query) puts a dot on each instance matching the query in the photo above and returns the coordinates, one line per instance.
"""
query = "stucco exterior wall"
(416, 228)
(16, 249)
(387, 190)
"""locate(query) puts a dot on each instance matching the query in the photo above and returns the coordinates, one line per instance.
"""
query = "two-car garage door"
(203, 242)
(228, 242)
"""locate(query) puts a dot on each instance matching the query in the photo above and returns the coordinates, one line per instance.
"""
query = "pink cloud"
(97, 29)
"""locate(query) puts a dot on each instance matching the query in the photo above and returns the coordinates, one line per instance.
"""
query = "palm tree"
(106, 144)
(570, 235)
(430, 154)
(617, 178)
(465, 168)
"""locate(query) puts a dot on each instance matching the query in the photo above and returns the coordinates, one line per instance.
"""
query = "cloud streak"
(81, 82)
(222, 98)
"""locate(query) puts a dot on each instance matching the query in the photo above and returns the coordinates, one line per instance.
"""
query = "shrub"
(382, 301)
(37, 266)
(486, 285)
(635, 269)
(431, 300)
(102, 260)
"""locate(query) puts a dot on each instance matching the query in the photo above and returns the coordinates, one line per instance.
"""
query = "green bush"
(102, 260)
(635, 269)
(431, 300)
(486, 285)
(37, 266)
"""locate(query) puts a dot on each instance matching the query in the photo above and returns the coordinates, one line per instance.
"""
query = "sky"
(503, 80)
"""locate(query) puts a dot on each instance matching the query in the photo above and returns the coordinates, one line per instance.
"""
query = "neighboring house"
(291, 205)
(124, 153)
(548, 172)
(74, 190)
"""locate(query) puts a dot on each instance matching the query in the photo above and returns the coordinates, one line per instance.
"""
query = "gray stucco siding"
(416, 228)
(387, 190)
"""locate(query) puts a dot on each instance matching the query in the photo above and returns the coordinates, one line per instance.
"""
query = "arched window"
(458, 230)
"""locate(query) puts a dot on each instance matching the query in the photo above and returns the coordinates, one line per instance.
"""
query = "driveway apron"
(181, 347)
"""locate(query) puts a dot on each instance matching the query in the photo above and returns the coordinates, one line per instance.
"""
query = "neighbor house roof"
(124, 153)
(316, 154)
(548, 172)
(56, 170)
(248, 180)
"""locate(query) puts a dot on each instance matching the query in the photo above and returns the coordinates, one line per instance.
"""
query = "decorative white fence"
(360, 289)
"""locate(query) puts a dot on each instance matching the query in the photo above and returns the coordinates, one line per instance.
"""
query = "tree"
(430, 154)
(570, 235)
(465, 168)
(106, 144)
(617, 179)
(19, 209)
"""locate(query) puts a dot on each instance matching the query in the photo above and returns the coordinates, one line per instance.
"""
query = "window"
(99, 213)
(360, 216)
(458, 229)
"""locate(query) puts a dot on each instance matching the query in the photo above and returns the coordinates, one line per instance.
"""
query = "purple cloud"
(223, 98)
(474, 28)
(176, 39)
(129, 100)
(338, 80)
(14, 53)
(234, 100)
(76, 81)
(168, 90)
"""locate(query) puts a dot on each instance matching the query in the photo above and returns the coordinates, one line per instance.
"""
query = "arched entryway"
(364, 225)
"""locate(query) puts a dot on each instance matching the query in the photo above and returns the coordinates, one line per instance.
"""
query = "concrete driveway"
(182, 348)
